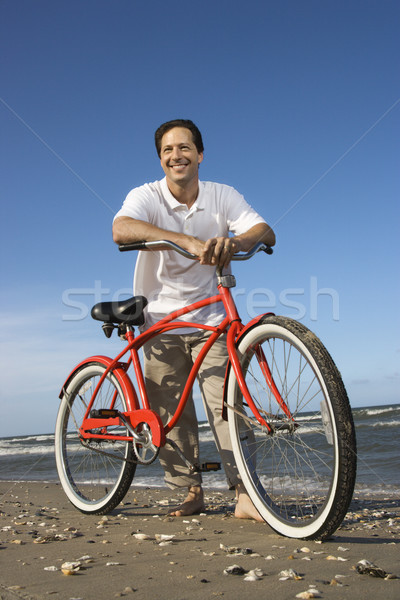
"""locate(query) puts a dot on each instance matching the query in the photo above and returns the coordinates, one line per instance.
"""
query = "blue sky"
(299, 106)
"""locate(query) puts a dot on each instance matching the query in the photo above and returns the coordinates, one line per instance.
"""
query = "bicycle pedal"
(209, 466)
(104, 413)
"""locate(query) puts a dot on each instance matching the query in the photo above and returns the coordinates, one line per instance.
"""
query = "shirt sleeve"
(240, 216)
(139, 204)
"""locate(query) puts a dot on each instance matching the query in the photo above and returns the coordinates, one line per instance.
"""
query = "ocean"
(31, 457)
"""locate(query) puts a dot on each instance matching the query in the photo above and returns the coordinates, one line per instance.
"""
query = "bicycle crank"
(144, 449)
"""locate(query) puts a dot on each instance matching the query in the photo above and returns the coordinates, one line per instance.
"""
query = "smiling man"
(212, 221)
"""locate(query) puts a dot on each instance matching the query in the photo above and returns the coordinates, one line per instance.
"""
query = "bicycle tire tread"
(341, 406)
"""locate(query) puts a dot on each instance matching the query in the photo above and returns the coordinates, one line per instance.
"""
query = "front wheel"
(300, 476)
(95, 473)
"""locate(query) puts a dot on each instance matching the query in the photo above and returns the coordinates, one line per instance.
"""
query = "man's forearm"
(127, 230)
(259, 233)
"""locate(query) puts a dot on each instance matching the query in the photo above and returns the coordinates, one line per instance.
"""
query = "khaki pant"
(168, 360)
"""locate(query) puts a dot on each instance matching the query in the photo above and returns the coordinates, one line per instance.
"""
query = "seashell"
(141, 536)
(112, 564)
(365, 567)
(52, 568)
(270, 557)
(235, 550)
(162, 537)
(234, 570)
(289, 574)
(103, 520)
(71, 565)
(166, 543)
(311, 593)
(258, 573)
(366, 563)
(251, 578)
(305, 549)
(70, 568)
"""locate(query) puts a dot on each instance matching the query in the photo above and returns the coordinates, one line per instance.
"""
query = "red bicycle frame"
(140, 412)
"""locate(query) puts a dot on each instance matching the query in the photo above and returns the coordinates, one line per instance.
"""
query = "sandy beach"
(138, 551)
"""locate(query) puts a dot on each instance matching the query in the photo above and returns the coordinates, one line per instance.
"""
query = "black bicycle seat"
(128, 311)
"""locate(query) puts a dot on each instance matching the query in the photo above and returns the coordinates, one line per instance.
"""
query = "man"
(199, 216)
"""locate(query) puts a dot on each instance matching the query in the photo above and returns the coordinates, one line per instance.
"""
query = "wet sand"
(40, 531)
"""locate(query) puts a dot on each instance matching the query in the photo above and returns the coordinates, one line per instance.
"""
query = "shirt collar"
(173, 202)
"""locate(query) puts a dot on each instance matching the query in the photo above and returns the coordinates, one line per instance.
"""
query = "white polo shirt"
(168, 280)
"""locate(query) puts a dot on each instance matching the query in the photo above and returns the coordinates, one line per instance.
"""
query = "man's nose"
(176, 153)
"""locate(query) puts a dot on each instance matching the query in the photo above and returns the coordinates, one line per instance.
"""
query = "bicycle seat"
(128, 311)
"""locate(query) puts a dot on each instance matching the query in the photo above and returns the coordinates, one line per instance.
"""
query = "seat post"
(129, 333)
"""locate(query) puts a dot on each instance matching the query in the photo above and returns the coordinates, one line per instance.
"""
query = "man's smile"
(179, 166)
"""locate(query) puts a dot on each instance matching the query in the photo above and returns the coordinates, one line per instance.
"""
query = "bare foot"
(245, 509)
(192, 505)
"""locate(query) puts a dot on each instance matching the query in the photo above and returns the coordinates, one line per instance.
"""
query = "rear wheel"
(95, 474)
(300, 476)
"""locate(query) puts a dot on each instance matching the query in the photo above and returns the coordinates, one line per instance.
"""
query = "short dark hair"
(187, 124)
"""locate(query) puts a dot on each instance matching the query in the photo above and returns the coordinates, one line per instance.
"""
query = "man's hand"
(219, 251)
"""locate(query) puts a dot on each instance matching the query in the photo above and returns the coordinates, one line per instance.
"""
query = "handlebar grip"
(132, 246)
(268, 250)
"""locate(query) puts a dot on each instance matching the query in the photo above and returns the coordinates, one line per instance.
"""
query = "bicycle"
(288, 414)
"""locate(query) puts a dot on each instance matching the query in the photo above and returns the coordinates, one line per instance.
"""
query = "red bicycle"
(289, 417)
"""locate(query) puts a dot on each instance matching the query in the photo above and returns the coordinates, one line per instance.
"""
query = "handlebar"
(164, 244)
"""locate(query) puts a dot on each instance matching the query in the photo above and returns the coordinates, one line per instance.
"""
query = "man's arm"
(215, 251)
(127, 230)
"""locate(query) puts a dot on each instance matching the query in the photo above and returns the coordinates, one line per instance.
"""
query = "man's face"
(179, 156)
